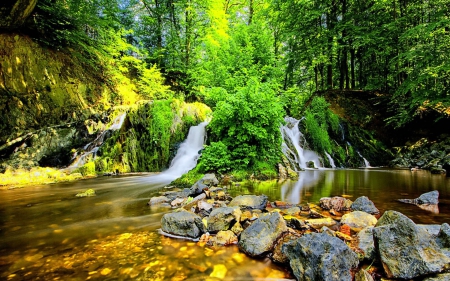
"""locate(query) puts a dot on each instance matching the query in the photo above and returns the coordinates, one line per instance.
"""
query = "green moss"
(87, 169)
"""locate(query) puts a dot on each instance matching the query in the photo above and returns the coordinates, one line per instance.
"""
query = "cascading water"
(294, 143)
(366, 163)
(330, 160)
(92, 147)
(188, 153)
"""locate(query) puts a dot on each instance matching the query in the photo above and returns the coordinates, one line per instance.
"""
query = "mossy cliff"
(43, 87)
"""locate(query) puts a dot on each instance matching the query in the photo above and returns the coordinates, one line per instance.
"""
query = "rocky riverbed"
(335, 240)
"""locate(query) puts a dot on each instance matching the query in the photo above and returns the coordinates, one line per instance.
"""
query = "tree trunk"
(14, 14)
(250, 12)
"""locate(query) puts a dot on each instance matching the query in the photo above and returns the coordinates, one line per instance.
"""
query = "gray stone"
(158, 200)
(443, 237)
(429, 198)
(364, 204)
(318, 256)
(183, 223)
(223, 218)
(260, 237)
(319, 223)
(406, 251)
(366, 243)
(249, 202)
(336, 203)
(432, 229)
(358, 220)
(197, 188)
(209, 180)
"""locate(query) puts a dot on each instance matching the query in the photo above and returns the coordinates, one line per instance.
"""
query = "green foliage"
(87, 169)
(245, 130)
(294, 100)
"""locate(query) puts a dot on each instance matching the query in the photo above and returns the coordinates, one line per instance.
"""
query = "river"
(46, 233)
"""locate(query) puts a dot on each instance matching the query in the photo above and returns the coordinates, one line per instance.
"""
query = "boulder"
(336, 203)
(358, 220)
(292, 211)
(278, 255)
(209, 180)
(443, 237)
(249, 202)
(364, 204)
(183, 223)
(158, 200)
(429, 198)
(318, 256)
(260, 237)
(223, 238)
(438, 277)
(366, 243)
(406, 251)
(202, 184)
(237, 228)
(223, 218)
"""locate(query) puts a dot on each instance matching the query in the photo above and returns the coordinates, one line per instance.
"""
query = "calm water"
(46, 233)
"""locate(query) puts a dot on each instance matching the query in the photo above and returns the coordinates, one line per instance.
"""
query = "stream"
(46, 233)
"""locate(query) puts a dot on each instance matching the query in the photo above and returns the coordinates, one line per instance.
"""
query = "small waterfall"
(366, 163)
(330, 160)
(92, 147)
(294, 143)
(187, 155)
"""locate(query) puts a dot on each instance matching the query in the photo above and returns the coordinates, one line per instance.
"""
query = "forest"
(252, 62)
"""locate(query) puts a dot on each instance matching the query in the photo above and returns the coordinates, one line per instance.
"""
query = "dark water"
(46, 233)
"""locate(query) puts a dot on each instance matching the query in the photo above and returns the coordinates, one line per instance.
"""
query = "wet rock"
(443, 237)
(172, 195)
(318, 256)
(366, 243)
(260, 237)
(158, 200)
(363, 275)
(336, 203)
(328, 231)
(197, 188)
(223, 238)
(249, 202)
(237, 228)
(292, 211)
(223, 218)
(177, 202)
(183, 223)
(209, 180)
(278, 255)
(358, 220)
(319, 223)
(429, 198)
(298, 224)
(364, 204)
(203, 205)
(406, 251)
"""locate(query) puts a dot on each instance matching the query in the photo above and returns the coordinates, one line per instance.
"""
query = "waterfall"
(92, 147)
(187, 155)
(330, 160)
(294, 143)
(366, 163)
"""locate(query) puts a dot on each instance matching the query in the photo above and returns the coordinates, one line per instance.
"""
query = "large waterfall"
(187, 155)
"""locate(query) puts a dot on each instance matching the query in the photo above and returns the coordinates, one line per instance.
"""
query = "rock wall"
(42, 87)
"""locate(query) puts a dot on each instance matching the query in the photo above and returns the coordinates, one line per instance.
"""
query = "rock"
(438, 277)
(406, 251)
(327, 231)
(363, 275)
(366, 243)
(358, 220)
(432, 229)
(438, 170)
(298, 224)
(237, 228)
(223, 218)
(292, 211)
(310, 164)
(282, 172)
(278, 255)
(203, 205)
(249, 202)
(260, 237)
(209, 180)
(443, 237)
(183, 223)
(223, 238)
(335, 203)
(319, 223)
(318, 256)
(176, 202)
(87, 193)
(429, 198)
(158, 200)
(365, 205)
(197, 188)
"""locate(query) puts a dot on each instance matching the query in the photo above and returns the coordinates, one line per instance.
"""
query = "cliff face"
(41, 87)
